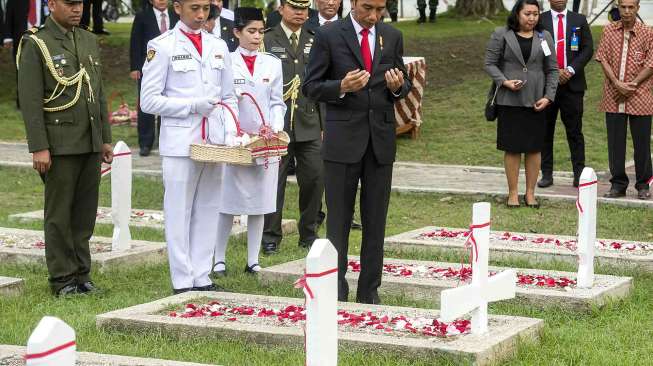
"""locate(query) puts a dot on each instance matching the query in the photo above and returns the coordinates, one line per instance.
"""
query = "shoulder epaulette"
(164, 35)
(84, 28)
(33, 30)
(267, 29)
(270, 54)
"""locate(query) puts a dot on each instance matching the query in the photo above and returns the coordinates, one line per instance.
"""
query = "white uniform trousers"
(190, 206)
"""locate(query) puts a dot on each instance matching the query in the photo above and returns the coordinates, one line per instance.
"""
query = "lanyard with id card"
(574, 39)
(545, 46)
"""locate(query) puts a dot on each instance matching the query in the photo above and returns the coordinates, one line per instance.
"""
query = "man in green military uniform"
(421, 6)
(392, 7)
(68, 133)
(291, 41)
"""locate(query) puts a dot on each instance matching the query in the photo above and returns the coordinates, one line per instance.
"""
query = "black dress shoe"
(355, 225)
(305, 244)
(253, 269)
(177, 291)
(269, 248)
(372, 299)
(87, 287)
(613, 193)
(221, 273)
(211, 287)
(545, 182)
(644, 194)
(145, 151)
(67, 290)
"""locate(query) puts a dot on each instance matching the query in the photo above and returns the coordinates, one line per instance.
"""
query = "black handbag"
(490, 106)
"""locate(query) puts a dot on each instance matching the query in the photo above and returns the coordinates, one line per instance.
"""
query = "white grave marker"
(474, 297)
(51, 344)
(320, 285)
(586, 205)
(121, 196)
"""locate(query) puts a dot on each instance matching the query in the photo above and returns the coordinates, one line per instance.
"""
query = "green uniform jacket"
(307, 125)
(81, 128)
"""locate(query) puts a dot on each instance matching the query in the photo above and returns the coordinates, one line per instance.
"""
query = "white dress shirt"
(323, 20)
(554, 17)
(158, 13)
(371, 37)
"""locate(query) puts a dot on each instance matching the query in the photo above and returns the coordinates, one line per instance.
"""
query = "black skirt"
(520, 129)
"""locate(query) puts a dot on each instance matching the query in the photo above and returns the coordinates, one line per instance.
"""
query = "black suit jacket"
(359, 117)
(313, 22)
(227, 33)
(15, 23)
(576, 59)
(144, 29)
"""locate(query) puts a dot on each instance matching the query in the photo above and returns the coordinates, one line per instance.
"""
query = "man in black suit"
(225, 26)
(148, 24)
(98, 22)
(356, 68)
(574, 49)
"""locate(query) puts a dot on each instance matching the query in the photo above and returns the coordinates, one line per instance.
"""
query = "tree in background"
(478, 7)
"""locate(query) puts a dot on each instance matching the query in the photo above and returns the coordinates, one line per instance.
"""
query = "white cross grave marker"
(121, 196)
(474, 297)
(320, 285)
(51, 344)
(586, 204)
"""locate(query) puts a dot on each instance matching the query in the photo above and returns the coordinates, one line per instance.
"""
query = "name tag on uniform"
(239, 81)
(545, 48)
(218, 56)
(181, 57)
(277, 49)
(282, 56)
(307, 49)
(266, 80)
(57, 57)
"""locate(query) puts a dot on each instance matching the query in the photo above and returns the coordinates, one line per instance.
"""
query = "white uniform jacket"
(175, 76)
(266, 85)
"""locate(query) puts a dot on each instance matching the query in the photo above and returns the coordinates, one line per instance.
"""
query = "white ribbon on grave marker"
(320, 286)
(121, 196)
(51, 344)
(474, 297)
(586, 204)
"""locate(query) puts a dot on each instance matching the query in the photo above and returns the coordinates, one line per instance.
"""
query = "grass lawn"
(454, 130)
(618, 334)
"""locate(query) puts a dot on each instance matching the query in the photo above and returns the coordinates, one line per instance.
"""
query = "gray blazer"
(506, 63)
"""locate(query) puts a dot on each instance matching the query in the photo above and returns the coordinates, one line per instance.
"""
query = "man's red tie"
(365, 50)
(249, 61)
(560, 42)
(196, 39)
(31, 16)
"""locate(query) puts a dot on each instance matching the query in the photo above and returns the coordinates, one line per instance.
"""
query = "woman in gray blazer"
(521, 60)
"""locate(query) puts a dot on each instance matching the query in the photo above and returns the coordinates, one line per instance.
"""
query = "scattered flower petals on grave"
(463, 274)
(386, 322)
(31, 241)
(539, 240)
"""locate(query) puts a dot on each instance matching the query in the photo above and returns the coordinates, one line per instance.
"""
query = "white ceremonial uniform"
(175, 77)
(252, 190)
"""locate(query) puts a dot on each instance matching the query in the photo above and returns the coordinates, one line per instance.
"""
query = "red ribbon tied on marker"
(578, 205)
(303, 284)
(471, 239)
(32, 356)
(650, 181)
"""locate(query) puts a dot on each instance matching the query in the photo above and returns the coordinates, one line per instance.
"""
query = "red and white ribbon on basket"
(239, 132)
(578, 205)
(473, 256)
(105, 169)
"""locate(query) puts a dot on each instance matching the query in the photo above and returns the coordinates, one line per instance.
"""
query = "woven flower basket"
(267, 144)
(207, 153)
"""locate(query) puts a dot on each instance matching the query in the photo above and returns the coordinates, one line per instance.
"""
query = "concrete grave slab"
(13, 356)
(535, 248)
(27, 246)
(424, 280)
(152, 219)
(10, 286)
(505, 332)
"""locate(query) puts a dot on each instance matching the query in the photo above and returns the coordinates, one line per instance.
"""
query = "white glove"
(244, 139)
(277, 129)
(203, 106)
(230, 140)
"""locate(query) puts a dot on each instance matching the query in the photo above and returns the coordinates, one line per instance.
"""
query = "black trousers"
(570, 106)
(311, 186)
(640, 131)
(98, 22)
(341, 185)
(146, 125)
(71, 201)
